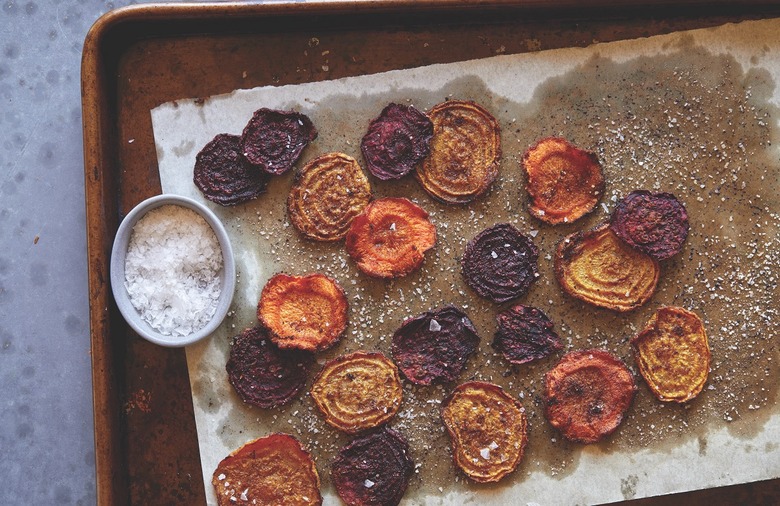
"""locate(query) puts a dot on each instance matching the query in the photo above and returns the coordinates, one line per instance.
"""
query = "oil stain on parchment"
(688, 122)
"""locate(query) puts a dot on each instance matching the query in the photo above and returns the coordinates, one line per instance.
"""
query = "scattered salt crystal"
(494, 254)
(434, 326)
(172, 270)
(368, 483)
(221, 476)
(243, 495)
(392, 226)
(485, 453)
(533, 233)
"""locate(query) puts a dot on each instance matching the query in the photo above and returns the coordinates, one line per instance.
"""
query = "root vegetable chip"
(304, 312)
(273, 470)
(488, 430)
(588, 394)
(525, 334)
(465, 152)
(273, 140)
(261, 373)
(653, 223)
(373, 470)
(223, 175)
(327, 195)
(563, 181)
(396, 141)
(433, 347)
(358, 391)
(390, 237)
(500, 263)
(597, 267)
(673, 354)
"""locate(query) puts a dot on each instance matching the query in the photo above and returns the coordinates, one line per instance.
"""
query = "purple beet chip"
(654, 223)
(396, 141)
(223, 175)
(373, 470)
(433, 347)
(261, 373)
(525, 334)
(500, 263)
(274, 140)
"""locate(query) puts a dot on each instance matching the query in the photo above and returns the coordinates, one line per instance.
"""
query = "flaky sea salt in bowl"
(172, 270)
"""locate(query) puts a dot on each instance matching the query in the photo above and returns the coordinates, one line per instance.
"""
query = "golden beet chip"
(563, 181)
(673, 354)
(587, 395)
(273, 470)
(304, 312)
(488, 430)
(465, 152)
(327, 195)
(599, 268)
(358, 391)
(390, 237)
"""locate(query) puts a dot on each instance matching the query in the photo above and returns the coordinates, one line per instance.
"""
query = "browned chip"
(587, 395)
(563, 181)
(390, 237)
(273, 470)
(488, 430)
(273, 140)
(223, 175)
(465, 152)
(597, 267)
(261, 373)
(327, 195)
(433, 347)
(396, 141)
(653, 223)
(673, 354)
(373, 470)
(304, 312)
(525, 334)
(500, 263)
(358, 391)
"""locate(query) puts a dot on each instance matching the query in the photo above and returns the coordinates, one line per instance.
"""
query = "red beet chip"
(261, 373)
(274, 140)
(654, 223)
(500, 263)
(433, 347)
(222, 174)
(396, 141)
(525, 334)
(373, 470)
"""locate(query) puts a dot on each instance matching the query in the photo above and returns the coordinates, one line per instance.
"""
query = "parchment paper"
(692, 113)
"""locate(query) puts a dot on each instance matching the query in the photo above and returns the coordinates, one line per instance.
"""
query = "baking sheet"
(693, 113)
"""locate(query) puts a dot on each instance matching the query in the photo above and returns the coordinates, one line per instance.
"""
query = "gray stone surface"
(46, 429)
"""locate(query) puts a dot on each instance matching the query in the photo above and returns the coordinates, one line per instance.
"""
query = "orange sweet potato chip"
(465, 152)
(597, 267)
(588, 394)
(390, 237)
(488, 430)
(327, 195)
(274, 469)
(672, 354)
(303, 312)
(563, 181)
(358, 391)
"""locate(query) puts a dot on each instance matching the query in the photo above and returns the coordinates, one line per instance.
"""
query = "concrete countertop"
(46, 429)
